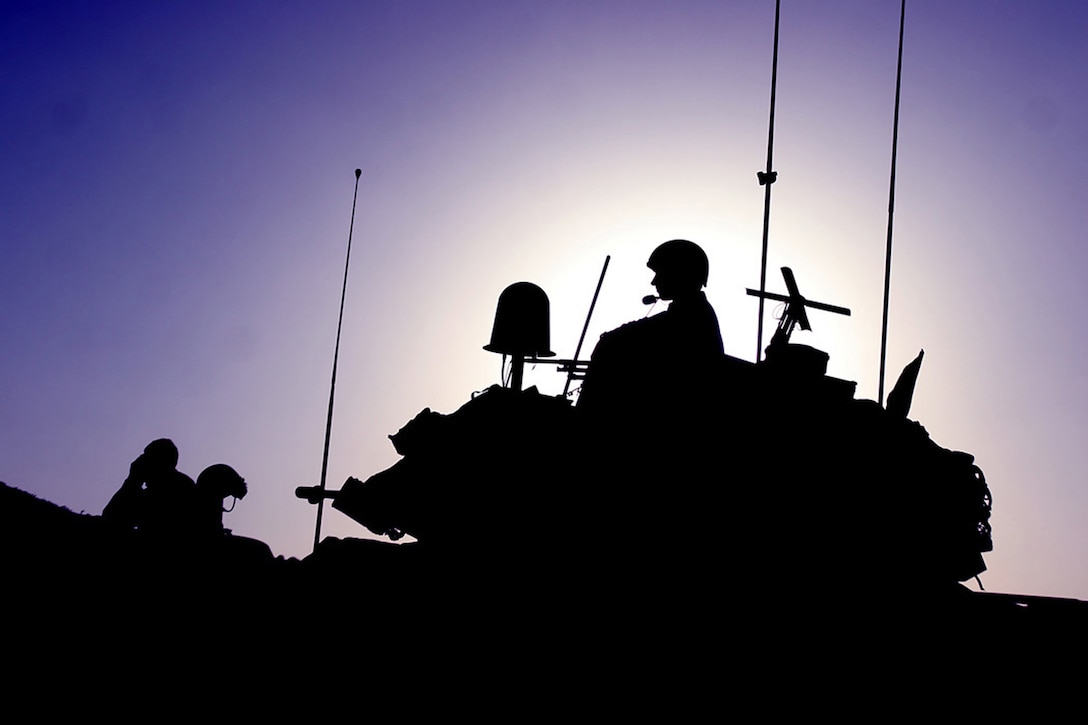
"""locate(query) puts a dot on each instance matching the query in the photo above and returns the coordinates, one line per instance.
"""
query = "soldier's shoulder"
(637, 326)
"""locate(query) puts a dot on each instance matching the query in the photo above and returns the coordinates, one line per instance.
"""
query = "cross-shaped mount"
(795, 313)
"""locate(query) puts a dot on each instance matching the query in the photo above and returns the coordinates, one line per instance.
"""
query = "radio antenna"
(891, 206)
(766, 178)
(335, 359)
(581, 339)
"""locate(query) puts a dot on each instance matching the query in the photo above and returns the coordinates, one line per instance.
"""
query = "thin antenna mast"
(891, 206)
(581, 339)
(335, 359)
(766, 178)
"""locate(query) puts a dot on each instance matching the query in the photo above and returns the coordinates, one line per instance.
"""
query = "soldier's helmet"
(161, 454)
(682, 261)
(220, 480)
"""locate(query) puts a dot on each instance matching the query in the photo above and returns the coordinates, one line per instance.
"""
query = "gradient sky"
(177, 183)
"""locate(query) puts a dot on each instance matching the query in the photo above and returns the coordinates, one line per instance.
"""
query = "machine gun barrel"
(794, 314)
(808, 303)
(315, 494)
(575, 369)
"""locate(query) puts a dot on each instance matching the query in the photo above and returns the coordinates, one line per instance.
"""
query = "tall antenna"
(335, 359)
(891, 206)
(582, 337)
(766, 178)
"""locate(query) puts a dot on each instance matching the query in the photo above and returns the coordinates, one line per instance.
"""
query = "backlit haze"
(177, 184)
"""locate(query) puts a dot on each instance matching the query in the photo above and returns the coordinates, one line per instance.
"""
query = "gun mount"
(780, 352)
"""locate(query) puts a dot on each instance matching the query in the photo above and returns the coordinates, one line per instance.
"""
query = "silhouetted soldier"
(657, 364)
(214, 486)
(644, 404)
(156, 499)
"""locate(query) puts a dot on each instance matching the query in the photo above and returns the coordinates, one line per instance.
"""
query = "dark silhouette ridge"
(758, 512)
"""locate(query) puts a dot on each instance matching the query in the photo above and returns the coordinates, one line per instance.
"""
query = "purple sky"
(177, 183)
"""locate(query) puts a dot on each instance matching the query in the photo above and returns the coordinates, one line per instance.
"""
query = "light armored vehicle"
(768, 476)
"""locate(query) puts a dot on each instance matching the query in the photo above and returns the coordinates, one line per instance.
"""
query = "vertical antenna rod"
(766, 178)
(891, 206)
(335, 358)
(585, 327)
